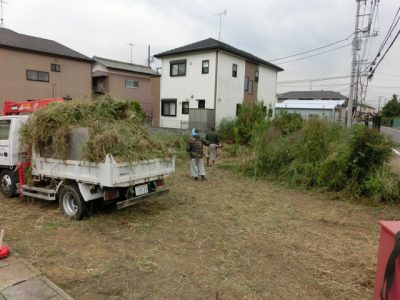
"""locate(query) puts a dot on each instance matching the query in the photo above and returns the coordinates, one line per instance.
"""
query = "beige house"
(127, 81)
(365, 109)
(37, 68)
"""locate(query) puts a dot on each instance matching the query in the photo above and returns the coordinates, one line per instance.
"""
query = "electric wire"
(312, 50)
(314, 79)
(383, 56)
(390, 30)
(305, 57)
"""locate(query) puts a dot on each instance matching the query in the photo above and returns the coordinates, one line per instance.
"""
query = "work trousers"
(197, 167)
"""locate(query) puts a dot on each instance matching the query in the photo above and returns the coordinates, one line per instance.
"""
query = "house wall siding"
(250, 72)
(194, 85)
(229, 89)
(141, 94)
(73, 81)
(267, 86)
(155, 95)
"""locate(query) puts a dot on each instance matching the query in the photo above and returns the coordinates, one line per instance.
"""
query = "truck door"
(5, 142)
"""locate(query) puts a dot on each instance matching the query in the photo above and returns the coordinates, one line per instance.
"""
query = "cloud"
(268, 29)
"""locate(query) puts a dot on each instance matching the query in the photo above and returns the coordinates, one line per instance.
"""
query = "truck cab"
(9, 148)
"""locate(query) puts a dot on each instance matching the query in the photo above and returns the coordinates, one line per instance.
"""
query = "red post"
(386, 243)
(21, 168)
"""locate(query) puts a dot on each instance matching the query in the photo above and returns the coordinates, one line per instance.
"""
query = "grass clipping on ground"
(114, 127)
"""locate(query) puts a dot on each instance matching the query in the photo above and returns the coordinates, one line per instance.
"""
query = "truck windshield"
(4, 129)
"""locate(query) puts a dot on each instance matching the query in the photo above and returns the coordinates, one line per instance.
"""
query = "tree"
(392, 108)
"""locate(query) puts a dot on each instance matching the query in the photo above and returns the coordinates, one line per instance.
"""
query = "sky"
(268, 29)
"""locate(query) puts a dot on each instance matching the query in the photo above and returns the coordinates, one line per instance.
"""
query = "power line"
(390, 30)
(318, 85)
(387, 74)
(312, 50)
(384, 87)
(386, 39)
(305, 57)
(387, 50)
(315, 79)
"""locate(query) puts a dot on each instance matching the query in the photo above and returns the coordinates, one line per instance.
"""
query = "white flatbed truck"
(76, 184)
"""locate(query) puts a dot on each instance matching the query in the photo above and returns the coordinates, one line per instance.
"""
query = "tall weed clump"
(287, 122)
(240, 129)
(250, 116)
(368, 149)
(324, 154)
(226, 130)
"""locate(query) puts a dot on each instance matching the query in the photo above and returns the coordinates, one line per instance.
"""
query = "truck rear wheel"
(71, 202)
(8, 183)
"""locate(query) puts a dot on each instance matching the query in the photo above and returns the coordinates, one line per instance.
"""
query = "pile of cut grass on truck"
(114, 127)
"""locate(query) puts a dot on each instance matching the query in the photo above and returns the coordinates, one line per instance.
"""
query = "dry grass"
(113, 126)
(229, 237)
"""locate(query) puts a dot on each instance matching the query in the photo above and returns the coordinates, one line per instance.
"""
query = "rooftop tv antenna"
(2, 14)
(132, 45)
(223, 13)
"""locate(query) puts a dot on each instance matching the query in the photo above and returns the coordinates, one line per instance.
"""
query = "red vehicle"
(16, 108)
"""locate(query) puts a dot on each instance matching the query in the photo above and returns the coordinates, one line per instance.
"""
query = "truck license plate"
(141, 189)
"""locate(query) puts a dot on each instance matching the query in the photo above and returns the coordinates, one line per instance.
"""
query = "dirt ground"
(226, 238)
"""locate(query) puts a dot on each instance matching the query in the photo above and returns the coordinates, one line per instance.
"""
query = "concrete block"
(31, 289)
(15, 273)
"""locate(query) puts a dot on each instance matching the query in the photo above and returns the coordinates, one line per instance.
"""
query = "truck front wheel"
(71, 202)
(8, 183)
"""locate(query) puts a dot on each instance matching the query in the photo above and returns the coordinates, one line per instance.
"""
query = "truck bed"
(107, 174)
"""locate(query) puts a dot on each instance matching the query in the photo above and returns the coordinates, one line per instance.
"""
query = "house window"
(177, 68)
(234, 70)
(205, 66)
(246, 83)
(37, 75)
(201, 103)
(168, 107)
(55, 68)
(185, 107)
(250, 87)
(238, 107)
(256, 77)
(131, 84)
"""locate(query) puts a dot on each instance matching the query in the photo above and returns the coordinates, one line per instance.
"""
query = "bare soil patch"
(228, 238)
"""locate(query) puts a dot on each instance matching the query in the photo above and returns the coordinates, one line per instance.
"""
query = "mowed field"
(230, 237)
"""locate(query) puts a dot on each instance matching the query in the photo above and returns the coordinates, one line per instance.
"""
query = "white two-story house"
(214, 76)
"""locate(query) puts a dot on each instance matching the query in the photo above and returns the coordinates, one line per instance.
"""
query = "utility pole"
(353, 67)
(379, 104)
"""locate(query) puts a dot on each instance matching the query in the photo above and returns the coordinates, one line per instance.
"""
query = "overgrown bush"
(250, 116)
(320, 153)
(226, 130)
(240, 130)
(287, 122)
(382, 185)
(368, 149)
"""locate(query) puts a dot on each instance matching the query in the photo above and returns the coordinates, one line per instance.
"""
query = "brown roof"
(15, 40)
(320, 95)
